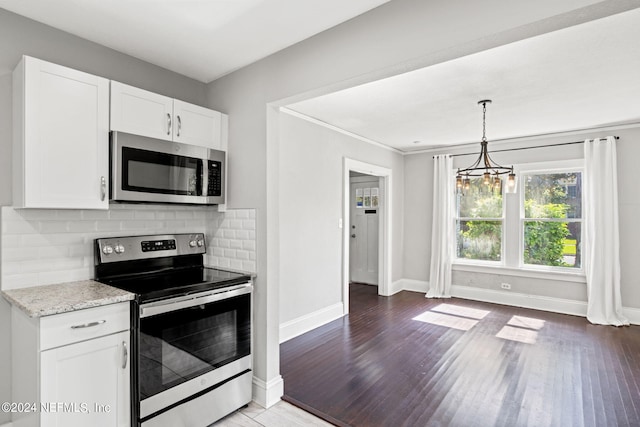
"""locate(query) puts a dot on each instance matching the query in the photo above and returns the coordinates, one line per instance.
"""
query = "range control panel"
(158, 245)
(114, 249)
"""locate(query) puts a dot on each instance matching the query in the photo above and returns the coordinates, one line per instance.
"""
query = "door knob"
(353, 235)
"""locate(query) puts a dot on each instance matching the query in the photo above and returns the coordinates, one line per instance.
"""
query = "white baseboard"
(306, 323)
(632, 314)
(267, 394)
(411, 285)
(536, 302)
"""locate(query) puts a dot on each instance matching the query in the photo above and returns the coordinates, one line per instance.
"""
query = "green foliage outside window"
(480, 239)
(544, 241)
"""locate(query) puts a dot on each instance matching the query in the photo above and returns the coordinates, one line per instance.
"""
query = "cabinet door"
(88, 382)
(141, 112)
(196, 125)
(65, 139)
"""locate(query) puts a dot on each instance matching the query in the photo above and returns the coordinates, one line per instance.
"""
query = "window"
(539, 227)
(552, 221)
(479, 218)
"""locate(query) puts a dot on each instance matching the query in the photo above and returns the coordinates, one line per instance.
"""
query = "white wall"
(419, 169)
(311, 186)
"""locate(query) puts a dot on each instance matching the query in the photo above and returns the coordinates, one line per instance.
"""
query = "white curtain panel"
(602, 236)
(442, 238)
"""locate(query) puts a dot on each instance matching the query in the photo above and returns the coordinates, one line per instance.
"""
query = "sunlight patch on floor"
(526, 322)
(441, 319)
(457, 310)
(511, 333)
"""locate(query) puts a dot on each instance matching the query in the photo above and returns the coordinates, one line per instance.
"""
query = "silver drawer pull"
(89, 325)
(125, 355)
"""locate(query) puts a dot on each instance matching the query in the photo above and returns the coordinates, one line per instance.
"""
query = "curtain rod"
(526, 148)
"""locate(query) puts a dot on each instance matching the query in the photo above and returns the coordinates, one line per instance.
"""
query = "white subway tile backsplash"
(218, 252)
(82, 226)
(45, 246)
(233, 239)
(121, 214)
(235, 264)
(144, 214)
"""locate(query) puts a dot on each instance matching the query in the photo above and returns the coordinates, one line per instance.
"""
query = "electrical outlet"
(505, 286)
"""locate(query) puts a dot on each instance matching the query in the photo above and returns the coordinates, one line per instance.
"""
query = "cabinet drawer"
(67, 328)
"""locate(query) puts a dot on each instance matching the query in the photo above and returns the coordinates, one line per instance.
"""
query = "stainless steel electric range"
(191, 328)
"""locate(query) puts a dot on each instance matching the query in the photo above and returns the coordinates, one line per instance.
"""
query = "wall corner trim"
(410, 285)
(308, 322)
(267, 394)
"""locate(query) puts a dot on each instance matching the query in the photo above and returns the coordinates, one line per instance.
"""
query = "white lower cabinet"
(70, 383)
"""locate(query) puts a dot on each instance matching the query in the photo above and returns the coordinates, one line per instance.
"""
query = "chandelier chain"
(484, 122)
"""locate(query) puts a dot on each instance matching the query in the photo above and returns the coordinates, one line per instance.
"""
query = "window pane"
(480, 240)
(557, 195)
(479, 201)
(552, 243)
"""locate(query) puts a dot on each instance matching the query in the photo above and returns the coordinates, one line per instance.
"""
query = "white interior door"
(363, 229)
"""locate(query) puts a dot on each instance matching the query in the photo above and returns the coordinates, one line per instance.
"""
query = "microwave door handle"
(205, 178)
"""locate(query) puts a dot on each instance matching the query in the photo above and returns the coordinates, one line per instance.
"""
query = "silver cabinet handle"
(88, 325)
(179, 125)
(103, 188)
(125, 355)
(168, 124)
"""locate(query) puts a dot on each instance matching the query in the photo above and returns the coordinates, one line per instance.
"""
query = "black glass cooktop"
(176, 282)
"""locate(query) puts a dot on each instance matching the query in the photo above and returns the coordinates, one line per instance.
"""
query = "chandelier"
(485, 166)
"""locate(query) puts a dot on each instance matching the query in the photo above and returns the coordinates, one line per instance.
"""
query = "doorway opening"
(364, 230)
(367, 230)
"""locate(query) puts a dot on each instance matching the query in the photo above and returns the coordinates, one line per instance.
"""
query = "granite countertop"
(38, 301)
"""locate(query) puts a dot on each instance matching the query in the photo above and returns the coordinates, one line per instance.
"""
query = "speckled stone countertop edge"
(47, 300)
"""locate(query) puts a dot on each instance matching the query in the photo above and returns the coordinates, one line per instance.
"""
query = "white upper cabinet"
(145, 113)
(141, 112)
(61, 137)
(196, 125)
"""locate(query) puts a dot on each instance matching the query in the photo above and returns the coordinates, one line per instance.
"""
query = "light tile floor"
(282, 414)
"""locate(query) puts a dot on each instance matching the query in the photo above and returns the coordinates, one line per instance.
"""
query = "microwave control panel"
(215, 178)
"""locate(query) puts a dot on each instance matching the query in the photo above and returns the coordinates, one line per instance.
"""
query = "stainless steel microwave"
(151, 170)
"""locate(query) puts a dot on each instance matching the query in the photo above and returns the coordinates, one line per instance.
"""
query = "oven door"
(150, 170)
(192, 344)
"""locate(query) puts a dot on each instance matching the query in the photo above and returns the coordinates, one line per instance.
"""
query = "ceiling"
(202, 39)
(580, 77)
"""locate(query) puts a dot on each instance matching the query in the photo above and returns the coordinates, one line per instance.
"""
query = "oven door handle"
(165, 306)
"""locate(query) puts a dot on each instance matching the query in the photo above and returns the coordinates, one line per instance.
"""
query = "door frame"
(384, 224)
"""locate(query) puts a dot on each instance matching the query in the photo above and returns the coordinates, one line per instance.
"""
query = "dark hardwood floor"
(465, 363)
